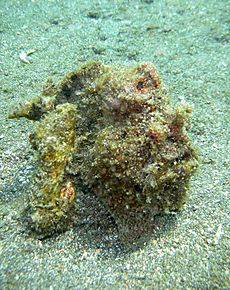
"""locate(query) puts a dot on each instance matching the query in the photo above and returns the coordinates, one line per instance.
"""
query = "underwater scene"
(114, 141)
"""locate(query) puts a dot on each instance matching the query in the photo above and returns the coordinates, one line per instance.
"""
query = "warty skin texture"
(120, 138)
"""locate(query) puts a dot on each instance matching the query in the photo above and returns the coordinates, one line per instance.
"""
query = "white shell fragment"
(23, 55)
(219, 234)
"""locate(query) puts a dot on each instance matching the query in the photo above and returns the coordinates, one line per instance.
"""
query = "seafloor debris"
(113, 130)
(23, 55)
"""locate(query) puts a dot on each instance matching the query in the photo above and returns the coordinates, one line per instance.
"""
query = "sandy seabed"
(188, 41)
